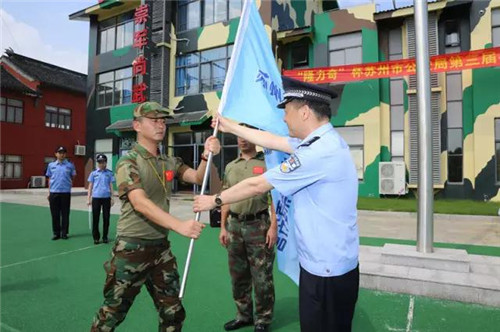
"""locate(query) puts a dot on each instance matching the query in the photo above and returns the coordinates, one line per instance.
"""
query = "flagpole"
(206, 176)
(222, 103)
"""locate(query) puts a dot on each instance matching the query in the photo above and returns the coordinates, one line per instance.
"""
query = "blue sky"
(41, 29)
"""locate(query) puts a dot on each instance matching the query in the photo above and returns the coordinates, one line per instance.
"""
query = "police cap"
(101, 158)
(295, 89)
(61, 149)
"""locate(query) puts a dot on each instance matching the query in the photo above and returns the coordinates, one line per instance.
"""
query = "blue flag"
(251, 93)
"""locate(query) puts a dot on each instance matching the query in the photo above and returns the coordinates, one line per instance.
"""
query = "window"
(229, 150)
(126, 144)
(455, 126)
(299, 55)
(452, 36)
(192, 16)
(345, 49)
(46, 162)
(11, 167)
(397, 98)
(114, 87)
(330, 5)
(189, 14)
(497, 147)
(495, 27)
(202, 71)
(454, 107)
(11, 110)
(354, 137)
(57, 117)
(189, 146)
(105, 146)
(117, 32)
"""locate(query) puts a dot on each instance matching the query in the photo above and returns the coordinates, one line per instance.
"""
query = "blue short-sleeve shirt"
(61, 176)
(101, 181)
(321, 178)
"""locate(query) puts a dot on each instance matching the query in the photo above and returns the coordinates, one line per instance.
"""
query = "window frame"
(104, 146)
(450, 100)
(114, 82)
(299, 64)
(46, 162)
(7, 109)
(186, 3)
(344, 49)
(202, 13)
(118, 21)
(59, 113)
(3, 167)
(356, 147)
(495, 26)
(183, 90)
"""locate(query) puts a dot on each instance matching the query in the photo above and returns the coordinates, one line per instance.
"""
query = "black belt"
(249, 217)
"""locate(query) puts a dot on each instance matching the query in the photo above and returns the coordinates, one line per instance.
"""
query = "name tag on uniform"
(258, 170)
(169, 175)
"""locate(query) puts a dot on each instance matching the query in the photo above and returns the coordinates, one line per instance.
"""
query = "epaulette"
(309, 142)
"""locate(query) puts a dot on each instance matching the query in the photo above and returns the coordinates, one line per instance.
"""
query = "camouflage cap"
(151, 109)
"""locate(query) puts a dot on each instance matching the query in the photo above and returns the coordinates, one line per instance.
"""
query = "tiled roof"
(7, 81)
(47, 74)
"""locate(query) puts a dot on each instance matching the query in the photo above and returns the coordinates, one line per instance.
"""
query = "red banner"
(439, 63)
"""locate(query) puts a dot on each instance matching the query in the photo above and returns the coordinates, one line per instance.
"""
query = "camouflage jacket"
(139, 169)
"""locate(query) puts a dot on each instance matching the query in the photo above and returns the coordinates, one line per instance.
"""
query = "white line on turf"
(393, 329)
(46, 257)
(409, 321)
(8, 328)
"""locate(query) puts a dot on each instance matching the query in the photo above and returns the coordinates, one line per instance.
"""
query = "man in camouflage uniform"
(249, 236)
(141, 254)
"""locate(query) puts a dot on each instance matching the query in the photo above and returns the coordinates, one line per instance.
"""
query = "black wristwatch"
(218, 200)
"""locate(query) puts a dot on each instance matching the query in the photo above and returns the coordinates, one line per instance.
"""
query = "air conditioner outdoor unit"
(80, 150)
(392, 178)
(38, 181)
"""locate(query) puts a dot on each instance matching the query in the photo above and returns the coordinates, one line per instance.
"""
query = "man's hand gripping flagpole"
(206, 176)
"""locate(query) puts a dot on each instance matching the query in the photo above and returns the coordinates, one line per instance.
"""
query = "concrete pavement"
(476, 230)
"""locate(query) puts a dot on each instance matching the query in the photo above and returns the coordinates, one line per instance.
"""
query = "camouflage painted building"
(190, 46)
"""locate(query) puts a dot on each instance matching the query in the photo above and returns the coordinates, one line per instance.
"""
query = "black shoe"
(261, 328)
(56, 237)
(236, 324)
(96, 241)
(104, 240)
(64, 237)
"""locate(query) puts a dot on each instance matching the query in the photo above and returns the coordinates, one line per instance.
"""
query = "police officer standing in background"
(249, 236)
(142, 254)
(100, 194)
(61, 174)
(321, 179)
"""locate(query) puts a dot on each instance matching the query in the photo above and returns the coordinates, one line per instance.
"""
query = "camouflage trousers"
(251, 262)
(135, 262)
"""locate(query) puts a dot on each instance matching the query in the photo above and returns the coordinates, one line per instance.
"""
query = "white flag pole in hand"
(206, 176)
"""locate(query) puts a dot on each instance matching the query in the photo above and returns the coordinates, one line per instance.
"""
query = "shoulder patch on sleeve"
(290, 165)
(309, 142)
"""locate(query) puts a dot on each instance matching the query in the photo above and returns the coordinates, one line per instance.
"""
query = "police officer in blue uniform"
(100, 195)
(61, 174)
(321, 178)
